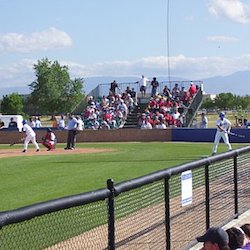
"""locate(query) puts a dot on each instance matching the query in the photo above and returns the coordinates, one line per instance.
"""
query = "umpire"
(72, 125)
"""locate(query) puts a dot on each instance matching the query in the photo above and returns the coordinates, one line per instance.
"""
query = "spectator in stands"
(204, 120)
(192, 89)
(215, 238)
(175, 91)
(129, 102)
(54, 122)
(61, 122)
(104, 125)
(80, 123)
(12, 124)
(236, 238)
(166, 91)
(113, 87)
(176, 114)
(128, 90)
(160, 124)
(182, 93)
(246, 123)
(239, 123)
(124, 108)
(38, 123)
(143, 85)
(145, 123)
(134, 96)
(246, 230)
(155, 85)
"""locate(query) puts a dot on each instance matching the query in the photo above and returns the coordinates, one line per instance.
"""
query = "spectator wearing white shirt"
(143, 85)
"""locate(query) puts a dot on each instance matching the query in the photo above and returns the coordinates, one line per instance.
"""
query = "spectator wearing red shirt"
(192, 89)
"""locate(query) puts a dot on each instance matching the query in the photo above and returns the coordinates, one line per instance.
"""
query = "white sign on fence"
(186, 188)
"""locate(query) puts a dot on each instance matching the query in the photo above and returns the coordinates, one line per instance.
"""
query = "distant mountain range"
(237, 83)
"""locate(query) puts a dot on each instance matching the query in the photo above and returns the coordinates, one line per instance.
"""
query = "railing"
(103, 88)
(142, 213)
(189, 114)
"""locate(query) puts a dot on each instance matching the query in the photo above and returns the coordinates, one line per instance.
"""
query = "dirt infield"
(43, 151)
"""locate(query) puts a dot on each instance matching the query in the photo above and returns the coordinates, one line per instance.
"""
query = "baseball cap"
(215, 235)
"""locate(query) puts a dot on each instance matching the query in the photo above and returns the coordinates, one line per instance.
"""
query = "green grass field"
(27, 180)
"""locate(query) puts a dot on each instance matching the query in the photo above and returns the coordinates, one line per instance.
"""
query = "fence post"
(167, 214)
(111, 215)
(236, 198)
(207, 196)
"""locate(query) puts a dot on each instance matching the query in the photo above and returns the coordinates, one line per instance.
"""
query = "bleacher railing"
(142, 213)
(103, 88)
(189, 113)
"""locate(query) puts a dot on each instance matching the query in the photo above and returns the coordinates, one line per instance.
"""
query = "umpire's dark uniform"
(72, 125)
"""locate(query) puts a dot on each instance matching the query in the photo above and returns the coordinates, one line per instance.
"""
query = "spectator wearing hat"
(223, 128)
(49, 140)
(215, 238)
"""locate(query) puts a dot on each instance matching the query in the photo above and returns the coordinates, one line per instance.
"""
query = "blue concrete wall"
(206, 135)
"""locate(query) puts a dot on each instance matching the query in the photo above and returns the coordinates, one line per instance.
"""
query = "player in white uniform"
(223, 128)
(30, 136)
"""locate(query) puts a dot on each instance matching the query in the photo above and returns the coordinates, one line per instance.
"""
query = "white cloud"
(193, 68)
(222, 39)
(234, 10)
(48, 39)
(181, 66)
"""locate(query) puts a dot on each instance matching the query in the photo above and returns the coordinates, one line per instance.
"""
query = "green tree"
(54, 91)
(224, 101)
(208, 104)
(242, 102)
(12, 104)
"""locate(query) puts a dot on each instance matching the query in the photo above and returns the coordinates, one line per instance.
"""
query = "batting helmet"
(222, 115)
(24, 122)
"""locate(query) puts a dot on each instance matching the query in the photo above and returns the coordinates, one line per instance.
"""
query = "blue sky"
(124, 38)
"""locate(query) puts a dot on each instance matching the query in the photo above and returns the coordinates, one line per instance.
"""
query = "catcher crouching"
(49, 140)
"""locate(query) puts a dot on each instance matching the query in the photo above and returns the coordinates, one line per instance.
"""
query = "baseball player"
(223, 128)
(30, 136)
(49, 141)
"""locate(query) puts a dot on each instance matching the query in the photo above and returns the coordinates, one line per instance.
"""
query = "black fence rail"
(103, 88)
(143, 213)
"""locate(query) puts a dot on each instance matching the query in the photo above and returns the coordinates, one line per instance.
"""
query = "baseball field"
(28, 178)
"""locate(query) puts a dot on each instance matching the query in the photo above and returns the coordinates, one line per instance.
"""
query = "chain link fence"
(143, 213)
